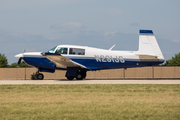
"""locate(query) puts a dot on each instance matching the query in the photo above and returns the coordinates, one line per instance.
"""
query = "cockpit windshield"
(52, 50)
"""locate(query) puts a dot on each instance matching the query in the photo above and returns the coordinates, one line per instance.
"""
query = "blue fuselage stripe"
(110, 65)
(89, 62)
(39, 62)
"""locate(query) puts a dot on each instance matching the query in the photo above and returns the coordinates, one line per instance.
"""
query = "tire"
(79, 76)
(70, 78)
(40, 76)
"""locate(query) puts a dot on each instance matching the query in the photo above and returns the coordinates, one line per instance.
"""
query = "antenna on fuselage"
(112, 47)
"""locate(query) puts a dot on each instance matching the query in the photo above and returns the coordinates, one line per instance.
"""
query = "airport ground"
(145, 93)
(64, 81)
(90, 101)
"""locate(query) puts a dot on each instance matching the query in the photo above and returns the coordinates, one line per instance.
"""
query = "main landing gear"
(79, 75)
(37, 76)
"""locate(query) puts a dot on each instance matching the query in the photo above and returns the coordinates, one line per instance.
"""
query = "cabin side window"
(61, 50)
(76, 51)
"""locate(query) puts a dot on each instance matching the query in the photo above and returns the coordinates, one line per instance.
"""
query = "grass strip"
(89, 102)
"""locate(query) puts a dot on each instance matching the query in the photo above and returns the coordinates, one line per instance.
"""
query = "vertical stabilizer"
(148, 44)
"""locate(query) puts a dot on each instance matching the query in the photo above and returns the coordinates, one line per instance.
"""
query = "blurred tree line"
(4, 62)
(174, 61)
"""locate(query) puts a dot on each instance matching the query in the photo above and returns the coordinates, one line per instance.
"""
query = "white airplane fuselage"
(82, 58)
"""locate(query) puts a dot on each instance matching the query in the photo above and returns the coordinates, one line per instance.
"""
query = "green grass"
(83, 102)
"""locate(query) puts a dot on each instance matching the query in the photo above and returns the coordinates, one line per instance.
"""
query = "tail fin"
(148, 44)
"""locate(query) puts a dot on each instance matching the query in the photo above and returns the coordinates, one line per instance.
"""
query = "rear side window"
(76, 51)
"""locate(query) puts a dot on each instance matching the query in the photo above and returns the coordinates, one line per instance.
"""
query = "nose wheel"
(37, 76)
(40, 76)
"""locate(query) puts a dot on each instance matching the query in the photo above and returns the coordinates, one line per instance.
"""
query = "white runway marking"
(89, 82)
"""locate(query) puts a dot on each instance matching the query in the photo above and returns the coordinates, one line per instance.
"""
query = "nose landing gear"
(37, 76)
(40, 76)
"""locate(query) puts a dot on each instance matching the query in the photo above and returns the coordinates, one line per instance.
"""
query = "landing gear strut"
(37, 76)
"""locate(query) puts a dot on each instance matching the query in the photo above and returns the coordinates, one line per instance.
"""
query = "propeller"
(19, 61)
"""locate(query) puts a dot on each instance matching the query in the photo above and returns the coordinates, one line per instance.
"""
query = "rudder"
(148, 44)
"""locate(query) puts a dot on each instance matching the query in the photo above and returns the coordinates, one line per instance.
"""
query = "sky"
(39, 25)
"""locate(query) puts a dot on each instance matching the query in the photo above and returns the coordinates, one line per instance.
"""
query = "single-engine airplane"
(77, 60)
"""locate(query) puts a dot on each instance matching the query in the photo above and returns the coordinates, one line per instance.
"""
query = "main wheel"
(79, 76)
(40, 76)
(70, 78)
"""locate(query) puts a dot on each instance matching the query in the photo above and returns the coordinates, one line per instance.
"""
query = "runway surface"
(89, 82)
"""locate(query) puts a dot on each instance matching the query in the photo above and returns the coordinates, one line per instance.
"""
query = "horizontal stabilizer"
(147, 56)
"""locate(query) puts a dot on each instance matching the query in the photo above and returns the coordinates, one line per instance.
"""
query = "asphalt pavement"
(89, 82)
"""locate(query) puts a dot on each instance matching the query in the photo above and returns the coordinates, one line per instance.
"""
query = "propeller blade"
(19, 61)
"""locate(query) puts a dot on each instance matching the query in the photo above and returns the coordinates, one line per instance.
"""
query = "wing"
(61, 61)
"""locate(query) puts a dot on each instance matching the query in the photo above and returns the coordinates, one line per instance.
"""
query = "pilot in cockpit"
(61, 51)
